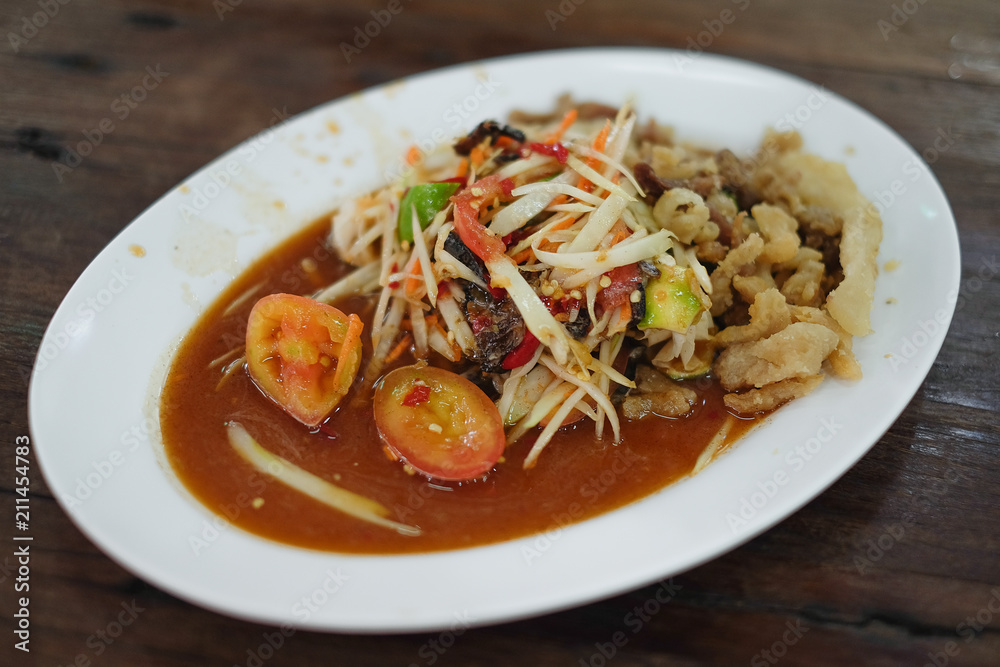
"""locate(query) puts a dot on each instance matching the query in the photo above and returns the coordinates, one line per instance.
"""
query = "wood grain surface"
(804, 593)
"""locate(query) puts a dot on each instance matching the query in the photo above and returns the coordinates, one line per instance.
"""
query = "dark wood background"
(923, 66)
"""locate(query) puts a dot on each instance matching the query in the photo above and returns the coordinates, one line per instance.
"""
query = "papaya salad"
(573, 270)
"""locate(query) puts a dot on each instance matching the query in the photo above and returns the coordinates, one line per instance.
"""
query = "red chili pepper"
(521, 354)
(420, 393)
(558, 151)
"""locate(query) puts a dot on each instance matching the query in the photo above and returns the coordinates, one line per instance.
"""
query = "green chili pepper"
(428, 199)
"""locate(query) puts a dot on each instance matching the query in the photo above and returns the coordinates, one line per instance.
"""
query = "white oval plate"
(94, 391)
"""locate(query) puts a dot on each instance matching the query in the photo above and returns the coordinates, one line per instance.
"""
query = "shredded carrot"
(614, 179)
(523, 256)
(478, 156)
(463, 168)
(568, 119)
(414, 280)
(506, 142)
(599, 143)
(621, 233)
(400, 348)
(565, 223)
(561, 199)
(413, 155)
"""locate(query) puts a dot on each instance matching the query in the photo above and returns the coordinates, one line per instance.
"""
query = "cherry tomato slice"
(303, 354)
(624, 280)
(452, 431)
(473, 233)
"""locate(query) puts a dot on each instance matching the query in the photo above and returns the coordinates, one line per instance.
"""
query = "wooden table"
(814, 590)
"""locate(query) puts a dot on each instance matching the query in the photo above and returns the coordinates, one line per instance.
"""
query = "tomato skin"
(467, 202)
(624, 280)
(558, 151)
(471, 438)
(302, 354)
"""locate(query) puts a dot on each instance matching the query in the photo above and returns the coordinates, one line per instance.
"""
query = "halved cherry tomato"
(451, 431)
(303, 354)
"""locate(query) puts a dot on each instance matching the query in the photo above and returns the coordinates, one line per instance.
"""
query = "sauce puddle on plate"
(578, 477)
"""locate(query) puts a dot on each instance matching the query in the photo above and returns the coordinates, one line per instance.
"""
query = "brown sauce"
(576, 477)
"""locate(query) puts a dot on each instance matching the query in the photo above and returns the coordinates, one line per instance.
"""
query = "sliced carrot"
(565, 223)
(400, 348)
(463, 168)
(600, 141)
(523, 256)
(614, 179)
(568, 119)
(621, 233)
(506, 142)
(561, 199)
(549, 246)
(415, 279)
(413, 155)
(478, 156)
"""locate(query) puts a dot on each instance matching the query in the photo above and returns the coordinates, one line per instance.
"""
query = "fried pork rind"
(655, 393)
(684, 213)
(749, 286)
(851, 302)
(802, 278)
(810, 186)
(794, 246)
(796, 351)
(736, 259)
(769, 314)
(771, 396)
(781, 240)
(842, 361)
